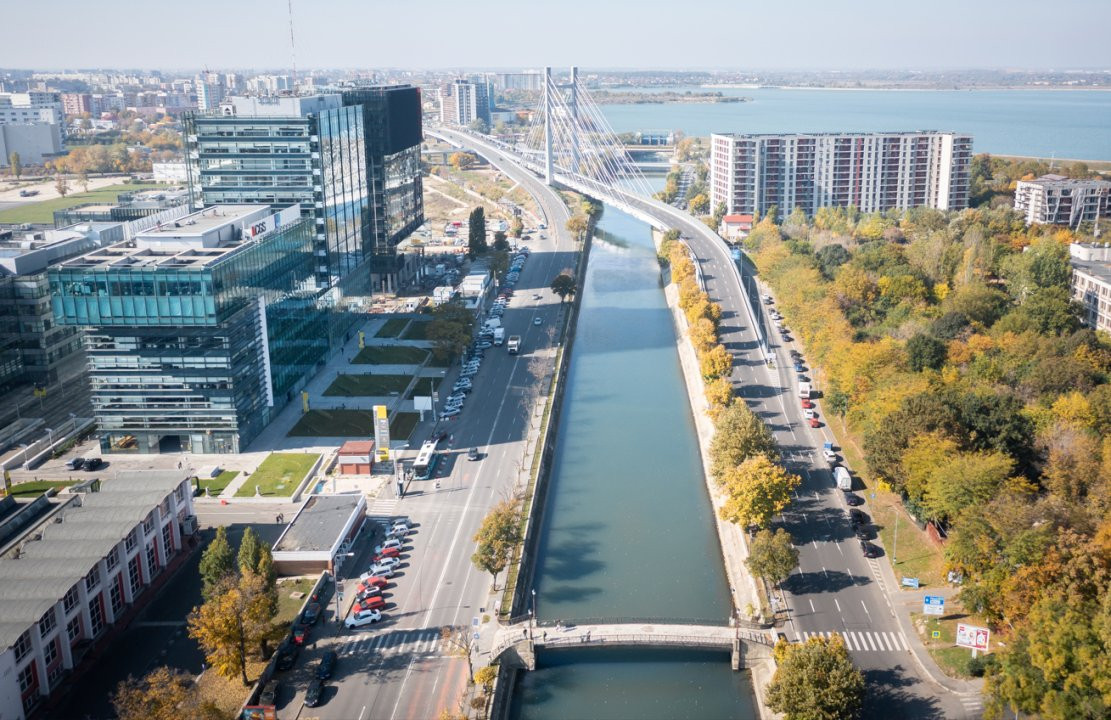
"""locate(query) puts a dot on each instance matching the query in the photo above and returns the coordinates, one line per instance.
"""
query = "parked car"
(300, 633)
(390, 552)
(374, 602)
(537, 321)
(869, 550)
(858, 517)
(400, 528)
(807, 404)
(93, 464)
(362, 619)
(449, 414)
(310, 614)
(315, 693)
(287, 654)
(853, 500)
(327, 665)
(381, 570)
(388, 561)
(372, 581)
(75, 463)
(814, 422)
(368, 592)
(269, 694)
(472, 454)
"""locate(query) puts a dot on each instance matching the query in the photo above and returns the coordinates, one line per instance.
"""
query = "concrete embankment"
(734, 549)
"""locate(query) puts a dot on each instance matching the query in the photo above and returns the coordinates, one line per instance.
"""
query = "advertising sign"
(933, 605)
(381, 433)
(970, 636)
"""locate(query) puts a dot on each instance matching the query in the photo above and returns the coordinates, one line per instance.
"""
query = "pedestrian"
(178, 464)
(545, 636)
(524, 633)
(278, 519)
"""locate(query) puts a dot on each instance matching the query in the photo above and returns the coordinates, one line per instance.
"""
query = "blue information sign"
(933, 605)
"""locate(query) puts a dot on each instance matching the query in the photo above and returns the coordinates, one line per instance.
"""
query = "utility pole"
(548, 125)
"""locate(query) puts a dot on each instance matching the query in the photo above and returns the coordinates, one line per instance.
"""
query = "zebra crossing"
(419, 641)
(383, 506)
(871, 641)
(973, 705)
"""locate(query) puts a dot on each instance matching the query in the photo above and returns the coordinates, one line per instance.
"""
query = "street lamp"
(50, 436)
(532, 613)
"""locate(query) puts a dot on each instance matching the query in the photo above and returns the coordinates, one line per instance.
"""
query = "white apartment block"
(1091, 282)
(31, 107)
(84, 566)
(871, 171)
(1057, 200)
(462, 102)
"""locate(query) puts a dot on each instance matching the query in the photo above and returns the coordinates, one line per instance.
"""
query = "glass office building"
(199, 331)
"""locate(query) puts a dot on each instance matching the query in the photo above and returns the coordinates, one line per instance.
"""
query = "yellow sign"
(362, 340)
(304, 401)
(381, 433)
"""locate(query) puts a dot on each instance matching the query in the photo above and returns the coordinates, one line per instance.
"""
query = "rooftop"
(1062, 181)
(55, 556)
(318, 523)
(757, 136)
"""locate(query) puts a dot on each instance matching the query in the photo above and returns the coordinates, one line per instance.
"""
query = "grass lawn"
(38, 487)
(335, 423)
(953, 660)
(279, 474)
(422, 387)
(392, 328)
(367, 385)
(402, 424)
(288, 607)
(43, 211)
(418, 330)
(391, 355)
(216, 485)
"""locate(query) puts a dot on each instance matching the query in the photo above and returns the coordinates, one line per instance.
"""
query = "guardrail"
(634, 621)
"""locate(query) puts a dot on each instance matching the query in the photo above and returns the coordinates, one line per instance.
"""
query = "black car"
(311, 614)
(314, 693)
(269, 693)
(472, 454)
(327, 665)
(287, 654)
(864, 532)
(75, 463)
(869, 550)
(93, 464)
(858, 517)
(853, 500)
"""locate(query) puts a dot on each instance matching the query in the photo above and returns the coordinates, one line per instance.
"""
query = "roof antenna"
(292, 46)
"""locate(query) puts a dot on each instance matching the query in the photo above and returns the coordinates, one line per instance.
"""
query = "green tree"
(501, 243)
(738, 435)
(255, 557)
(963, 480)
(476, 233)
(516, 227)
(563, 285)
(226, 625)
(772, 556)
(925, 351)
(816, 680)
(496, 538)
(450, 329)
(61, 185)
(217, 564)
(838, 403)
(250, 549)
(479, 125)
(756, 491)
(830, 258)
(16, 164)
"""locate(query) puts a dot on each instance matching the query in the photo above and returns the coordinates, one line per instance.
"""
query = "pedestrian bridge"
(524, 638)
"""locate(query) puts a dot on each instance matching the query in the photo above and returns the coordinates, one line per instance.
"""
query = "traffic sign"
(933, 605)
(910, 582)
(970, 636)
(935, 634)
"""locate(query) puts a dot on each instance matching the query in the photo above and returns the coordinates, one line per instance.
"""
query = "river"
(628, 530)
(1043, 123)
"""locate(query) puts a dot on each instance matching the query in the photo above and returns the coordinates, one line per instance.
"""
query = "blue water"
(1044, 123)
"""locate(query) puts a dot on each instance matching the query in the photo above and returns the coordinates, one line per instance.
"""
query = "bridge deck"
(622, 634)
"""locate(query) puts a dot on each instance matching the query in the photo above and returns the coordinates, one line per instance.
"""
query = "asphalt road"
(400, 668)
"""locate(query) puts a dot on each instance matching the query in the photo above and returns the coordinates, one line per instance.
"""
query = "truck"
(491, 324)
(804, 390)
(828, 453)
(514, 344)
(842, 478)
(499, 336)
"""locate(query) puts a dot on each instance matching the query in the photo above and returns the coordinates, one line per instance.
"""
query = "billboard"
(381, 433)
(973, 637)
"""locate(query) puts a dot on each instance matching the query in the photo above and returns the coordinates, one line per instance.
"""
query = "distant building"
(77, 103)
(464, 101)
(128, 206)
(170, 172)
(735, 227)
(1091, 282)
(88, 563)
(871, 171)
(31, 107)
(519, 81)
(35, 142)
(200, 330)
(1057, 200)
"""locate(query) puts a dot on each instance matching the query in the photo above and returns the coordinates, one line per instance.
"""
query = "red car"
(388, 552)
(807, 404)
(371, 603)
(375, 581)
(300, 633)
(814, 422)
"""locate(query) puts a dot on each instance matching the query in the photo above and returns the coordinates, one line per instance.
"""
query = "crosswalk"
(973, 705)
(419, 641)
(871, 641)
(383, 506)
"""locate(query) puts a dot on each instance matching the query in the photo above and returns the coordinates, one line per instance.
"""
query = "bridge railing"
(595, 638)
(570, 624)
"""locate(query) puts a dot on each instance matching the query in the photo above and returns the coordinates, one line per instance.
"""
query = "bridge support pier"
(521, 656)
(737, 656)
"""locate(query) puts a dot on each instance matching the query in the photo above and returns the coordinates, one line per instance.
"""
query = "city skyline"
(493, 34)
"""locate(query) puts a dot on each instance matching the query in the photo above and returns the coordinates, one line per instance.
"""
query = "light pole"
(50, 437)
(895, 544)
(337, 562)
(532, 613)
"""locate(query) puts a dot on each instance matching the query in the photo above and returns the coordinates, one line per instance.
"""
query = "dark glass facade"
(197, 355)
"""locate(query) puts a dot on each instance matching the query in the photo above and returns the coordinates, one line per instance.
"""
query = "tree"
(965, 479)
(699, 204)
(83, 178)
(226, 625)
(16, 164)
(838, 403)
(738, 435)
(217, 564)
(159, 695)
(480, 126)
(577, 225)
(516, 227)
(501, 244)
(772, 556)
(816, 680)
(460, 643)
(756, 491)
(255, 557)
(719, 394)
(716, 362)
(61, 185)
(830, 258)
(450, 329)
(460, 160)
(925, 351)
(498, 535)
(250, 550)
(476, 233)
(563, 285)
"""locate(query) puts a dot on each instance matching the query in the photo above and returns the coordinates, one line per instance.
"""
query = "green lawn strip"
(392, 328)
(38, 487)
(390, 355)
(954, 661)
(216, 485)
(367, 385)
(334, 423)
(279, 474)
(402, 424)
(43, 210)
(424, 385)
(288, 607)
(418, 330)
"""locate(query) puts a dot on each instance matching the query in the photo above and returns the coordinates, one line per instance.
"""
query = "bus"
(425, 465)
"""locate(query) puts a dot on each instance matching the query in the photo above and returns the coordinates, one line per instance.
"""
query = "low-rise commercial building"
(198, 331)
(321, 531)
(356, 457)
(1091, 282)
(735, 227)
(1058, 200)
(86, 566)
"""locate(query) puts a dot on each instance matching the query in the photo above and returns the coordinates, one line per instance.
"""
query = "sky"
(648, 34)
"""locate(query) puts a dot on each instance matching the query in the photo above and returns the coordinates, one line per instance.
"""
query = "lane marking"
(811, 605)
(865, 607)
(837, 604)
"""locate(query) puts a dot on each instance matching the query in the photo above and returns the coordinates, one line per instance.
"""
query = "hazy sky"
(826, 34)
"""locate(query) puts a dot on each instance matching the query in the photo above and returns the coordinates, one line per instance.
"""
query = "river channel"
(628, 529)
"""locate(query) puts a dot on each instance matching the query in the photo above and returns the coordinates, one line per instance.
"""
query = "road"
(400, 668)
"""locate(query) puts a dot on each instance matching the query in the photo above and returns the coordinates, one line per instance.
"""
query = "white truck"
(499, 336)
(514, 344)
(804, 390)
(842, 478)
(491, 324)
